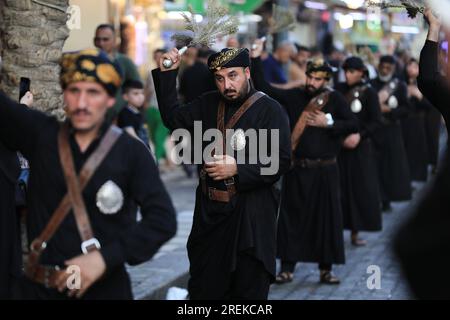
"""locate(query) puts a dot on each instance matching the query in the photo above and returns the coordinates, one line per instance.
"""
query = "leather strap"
(229, 183)
(317, 103)
(236, 116)
(73, 187)
(39, 244)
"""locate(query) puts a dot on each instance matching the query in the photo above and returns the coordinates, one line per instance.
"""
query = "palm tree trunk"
(32, 37)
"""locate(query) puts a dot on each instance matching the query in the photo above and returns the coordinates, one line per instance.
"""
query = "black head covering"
(229, 58)
(320, 68)
(387, 59)
(91, 65)
(355, 63)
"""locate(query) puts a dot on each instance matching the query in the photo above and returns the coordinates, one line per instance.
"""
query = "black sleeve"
(373, 122)
(257, 74)
(345, 121)
(142, 240)
(173, 114)
(20, 126)
(125, 119)
(431, 83)
(268, 171)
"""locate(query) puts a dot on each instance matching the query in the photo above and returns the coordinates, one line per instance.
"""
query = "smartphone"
(24, 86)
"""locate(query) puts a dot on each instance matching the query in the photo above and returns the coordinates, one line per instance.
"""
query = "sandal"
(327, 277)
(358, 242)
(284, 277)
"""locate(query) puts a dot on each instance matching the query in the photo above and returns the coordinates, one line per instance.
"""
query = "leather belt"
(46, 275)
(314, 163)
(216, 194)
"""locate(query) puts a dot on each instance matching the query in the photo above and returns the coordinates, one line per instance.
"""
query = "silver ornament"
(393, 102)
(238, 141)
(109, 198)
(356, 106)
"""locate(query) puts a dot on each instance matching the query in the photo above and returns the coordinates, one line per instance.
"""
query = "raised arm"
(173, 114)
(257, 73)
(20, 126)
(431, 83)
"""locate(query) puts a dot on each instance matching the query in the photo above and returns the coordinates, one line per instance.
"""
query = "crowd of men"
(348, 142)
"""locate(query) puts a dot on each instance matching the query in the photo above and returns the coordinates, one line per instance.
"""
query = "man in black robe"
(423, 243)
(127, 175)
(310, 223)
(10, 260)
(395, 181)
(232, 244)
(414, 125)
(357, 162)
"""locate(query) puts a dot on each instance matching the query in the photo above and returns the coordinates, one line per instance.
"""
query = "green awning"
(245, 6)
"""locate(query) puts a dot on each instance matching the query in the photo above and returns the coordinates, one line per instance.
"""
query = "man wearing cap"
(310, 223)
(86, 174)
(232, 244)
(357, 163)
(393, 168)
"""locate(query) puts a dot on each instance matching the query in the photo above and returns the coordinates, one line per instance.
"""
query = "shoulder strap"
(237, 115)
(89, 168)
(316, 103)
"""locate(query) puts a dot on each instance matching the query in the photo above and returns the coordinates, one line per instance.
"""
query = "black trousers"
(115, 285)
(287, 266)
(249, 281)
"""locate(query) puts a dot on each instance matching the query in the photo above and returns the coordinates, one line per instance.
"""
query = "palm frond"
(216, 23)
(282, 19)
(413, 7)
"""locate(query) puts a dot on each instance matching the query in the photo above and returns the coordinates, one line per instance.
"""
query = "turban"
(91, 65)
(229, 58)
(319, 68)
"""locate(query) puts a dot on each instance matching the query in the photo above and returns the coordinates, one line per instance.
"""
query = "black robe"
(415, 138)
(395, 180)
(222, 231)
(10, 250)
(357, 167)
(431, 83)
(310, 223)
(423, 243)
(433, 123)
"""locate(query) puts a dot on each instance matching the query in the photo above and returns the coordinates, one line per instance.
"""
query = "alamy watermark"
(374, 280)
(254, 146)
(74, 21)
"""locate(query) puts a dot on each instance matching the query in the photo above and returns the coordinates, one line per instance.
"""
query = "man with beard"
(86, 176)
(357, 163)
(310, 223)
(393, 169)
(232, 244)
